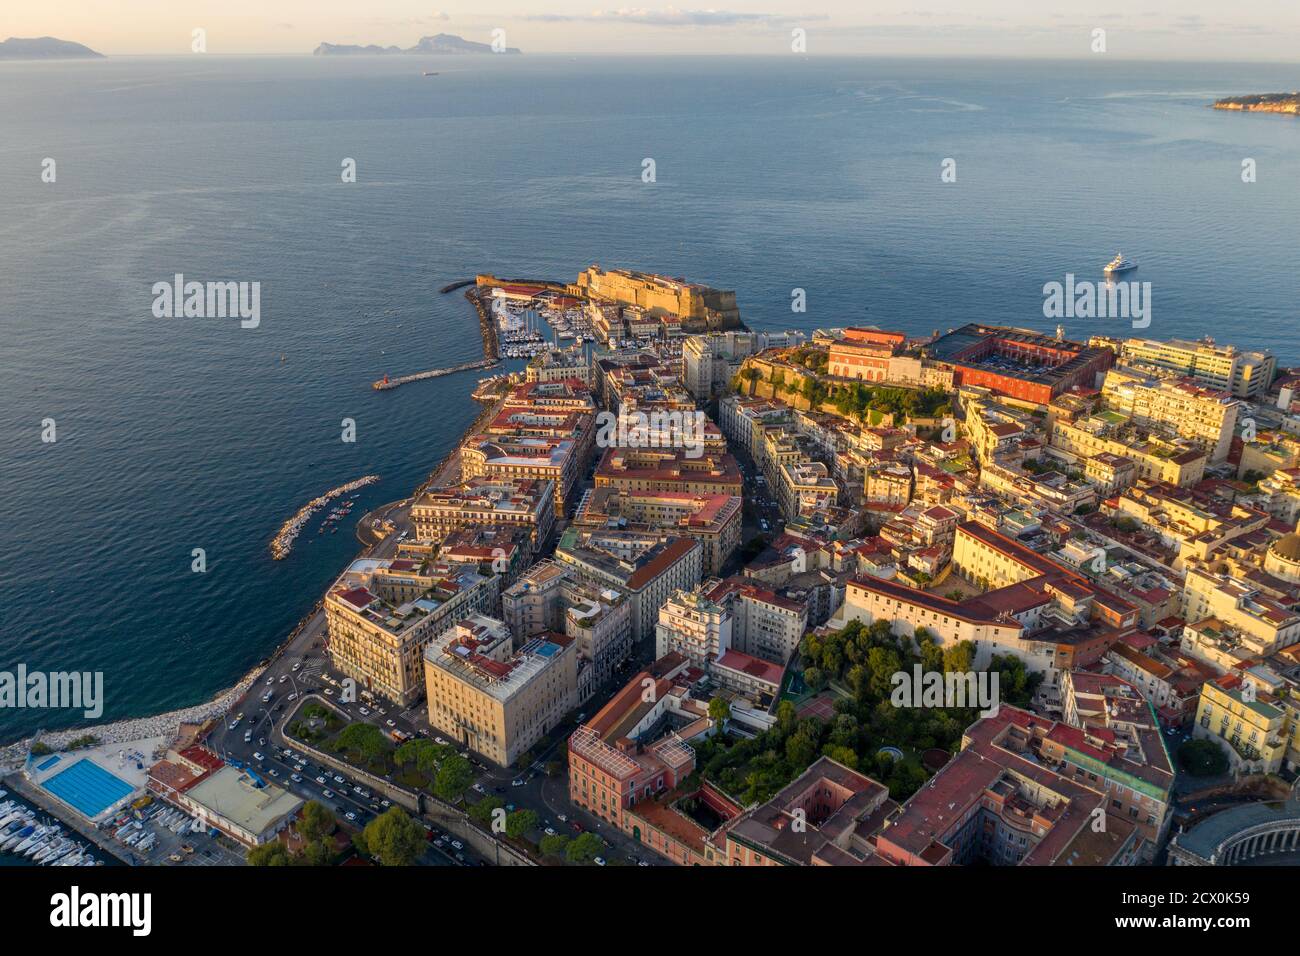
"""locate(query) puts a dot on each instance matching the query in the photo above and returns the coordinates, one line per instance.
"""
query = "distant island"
(45, 48)
(1262, 103)
(443, 43)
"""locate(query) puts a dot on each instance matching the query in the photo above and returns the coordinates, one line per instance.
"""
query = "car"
(576, 826)
(327, 794)
(356, 789)
(296, 778)
(364, 712)
(550, 831)
(248, 736)
(239, 716)
(266, 698)
(274, 772)
(351, 816)
(292, 697)
(270, 680)
(562, 818)
(321, 781)
(457, 845)
(297, 665)
(517, 782)
(460, 858)
(478, 788)
(338, 778)
(329, 691)
(283, 678)
(642, 863)
(439, 740)
(234, 724)
(298, 767)
(261, 741)
(599, 861)
(375, 807)
(258, 757)
(390, 722)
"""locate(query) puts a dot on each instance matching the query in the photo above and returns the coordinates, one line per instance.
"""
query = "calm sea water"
(772, 174)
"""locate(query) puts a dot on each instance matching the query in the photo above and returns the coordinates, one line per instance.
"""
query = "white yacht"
(1119, 264)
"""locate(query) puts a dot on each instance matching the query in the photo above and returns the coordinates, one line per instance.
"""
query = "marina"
(30, 836)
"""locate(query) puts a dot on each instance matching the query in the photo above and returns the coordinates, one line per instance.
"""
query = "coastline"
(13, 753)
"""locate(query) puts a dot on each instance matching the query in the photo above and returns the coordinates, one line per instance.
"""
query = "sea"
(770, 175)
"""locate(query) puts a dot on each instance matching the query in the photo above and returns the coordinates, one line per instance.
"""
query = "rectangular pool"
(88, 787)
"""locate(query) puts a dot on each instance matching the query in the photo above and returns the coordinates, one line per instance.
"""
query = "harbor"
(282, 543)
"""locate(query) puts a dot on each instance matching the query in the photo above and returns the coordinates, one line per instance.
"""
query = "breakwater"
(282, 543)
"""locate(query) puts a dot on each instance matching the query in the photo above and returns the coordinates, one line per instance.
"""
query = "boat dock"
(386, 383)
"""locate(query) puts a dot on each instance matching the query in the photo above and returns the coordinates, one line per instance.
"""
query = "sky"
(1263, 30)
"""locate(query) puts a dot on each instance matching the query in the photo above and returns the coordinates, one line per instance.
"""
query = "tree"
(958, 658)
(584, 849)
(1202, 758)
(269, 854)
(519, 823)
(367, 740)
(393, 838)
(317, 853)
(316, 821)
(454, 777)
(815, 678)
(553, 846)
(482, 811)
(720, 711)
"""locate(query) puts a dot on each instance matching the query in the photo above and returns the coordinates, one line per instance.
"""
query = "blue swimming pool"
(48, 762)
(88, 787)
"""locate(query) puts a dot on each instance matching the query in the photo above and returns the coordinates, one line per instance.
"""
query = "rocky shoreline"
(133, 728)
(1287, 103)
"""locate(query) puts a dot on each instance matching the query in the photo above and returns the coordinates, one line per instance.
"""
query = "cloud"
(674, 17)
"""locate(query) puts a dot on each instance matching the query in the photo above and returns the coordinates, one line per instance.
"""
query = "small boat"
(428, 73)
(1119, 264)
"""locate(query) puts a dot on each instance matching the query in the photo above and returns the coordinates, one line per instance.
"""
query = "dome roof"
(1287, 546)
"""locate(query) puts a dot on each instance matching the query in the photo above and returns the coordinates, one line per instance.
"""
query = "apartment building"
(1204, 415)
(765, 623)
(1192, 529)
(549, 597)
(668, 469)
(1243, 374)
(1235, 711)
(710, 361)
(1265, 625)
(648, 567)
(692, 625)
(488, 500)
(496, 701)
(381, 614)
(505, 457)
(711, 519)
(1175, 461)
